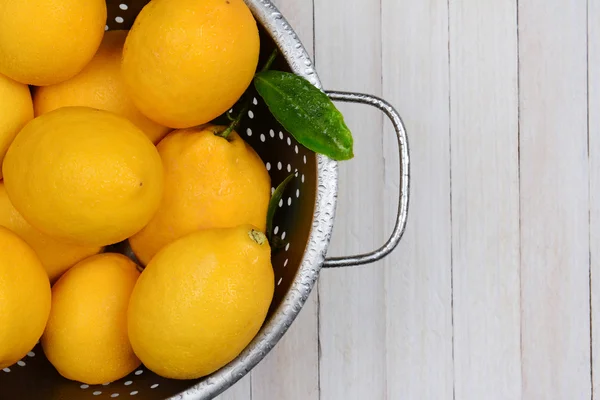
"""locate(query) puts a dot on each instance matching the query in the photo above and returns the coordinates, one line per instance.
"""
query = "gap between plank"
(450, 200)
(587, 46)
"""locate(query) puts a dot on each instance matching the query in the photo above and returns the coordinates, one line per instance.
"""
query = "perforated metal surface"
(303, 222)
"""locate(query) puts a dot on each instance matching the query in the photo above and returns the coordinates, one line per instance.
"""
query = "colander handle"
(400, 130)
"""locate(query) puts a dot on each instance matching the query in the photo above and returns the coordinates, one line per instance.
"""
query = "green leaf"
(306, 113)
(274, 203)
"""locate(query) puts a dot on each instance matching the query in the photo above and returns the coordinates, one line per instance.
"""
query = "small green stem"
(270, 60)
(235, 122)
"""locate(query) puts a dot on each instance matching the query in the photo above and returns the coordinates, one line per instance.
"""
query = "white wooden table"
(494, 292)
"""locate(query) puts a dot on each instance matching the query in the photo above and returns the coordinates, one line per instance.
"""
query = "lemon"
(43, 42)
(84, 176)
(56, 256)
(210, 182)
(185, 62)
(201, 301)
(15, 111)
(99, 86)
(24, 298)
(86, 336)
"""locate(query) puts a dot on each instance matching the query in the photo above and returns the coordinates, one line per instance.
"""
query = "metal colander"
(304, 222)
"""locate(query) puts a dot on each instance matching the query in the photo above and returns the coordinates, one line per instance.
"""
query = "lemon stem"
(236, 121)
(270, 60)
(227, 131)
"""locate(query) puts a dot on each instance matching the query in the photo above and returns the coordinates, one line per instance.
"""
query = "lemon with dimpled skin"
(84, 176)
(56, 256)
(24, 298)
(43, 42)
(99, 86)
(86, 336)
(16, 110)
(210, 182)
(201, 300)
(186, 62)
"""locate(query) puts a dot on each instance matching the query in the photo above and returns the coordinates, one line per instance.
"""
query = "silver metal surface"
(402, 214)
(304, 222)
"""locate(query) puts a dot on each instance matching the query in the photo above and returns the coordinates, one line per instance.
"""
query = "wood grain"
(554, 200)
(352, 301)
(485, 199)
(418, 345)
(291, 370)
(488, 295)
(240, 391)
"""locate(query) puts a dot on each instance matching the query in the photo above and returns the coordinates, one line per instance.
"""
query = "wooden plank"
(352, 301)
(417, 274)
(554, 200)
(240, 391)
(594, 171)
(485, 199)
(291, 370)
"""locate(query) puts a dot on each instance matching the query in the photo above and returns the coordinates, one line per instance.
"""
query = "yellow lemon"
(56, 256)
(43, 42)
(86, 336)
(186, 62)
(201, 301)
(84, 176)
(99, 86)
(15, 111)
(24, 298)
(210, 182)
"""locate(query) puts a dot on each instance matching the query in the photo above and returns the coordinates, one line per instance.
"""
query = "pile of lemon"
(107, 137)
